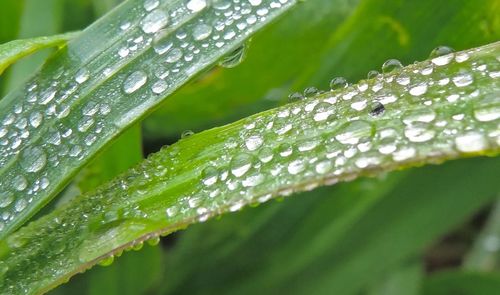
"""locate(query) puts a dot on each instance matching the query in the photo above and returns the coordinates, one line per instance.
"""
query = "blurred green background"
(431, 230)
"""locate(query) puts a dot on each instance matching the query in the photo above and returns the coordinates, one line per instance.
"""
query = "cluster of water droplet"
(433, 109)
(62, 118)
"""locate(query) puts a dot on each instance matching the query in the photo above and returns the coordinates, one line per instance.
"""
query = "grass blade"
(13, 51)
(112, 74)
(433, 111)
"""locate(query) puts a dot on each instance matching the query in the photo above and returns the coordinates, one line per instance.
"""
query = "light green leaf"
(106, 79)
(14, 50)
(429, 112)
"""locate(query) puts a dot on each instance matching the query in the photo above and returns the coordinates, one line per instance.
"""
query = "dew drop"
(338, 83)
(151, 4)
(296, 166)
(33, 159)
(377, 109)
(154, 21)
(463, 79)
(440, 51)
(159, 87)
(210, 175)
(323, 167)
(196, 5)
(134, 81)
(296, 96)
(19, 183)
(201, 32)
(254, 142)
(471, 142)
(174, 55)
(419, 133)
(81, 76)
(240, 164)
(6, 199)
(353, 132)
(419, 89)
(372, 74)
(487, 109)
(187, 133)
(391, 65)
(310, 91)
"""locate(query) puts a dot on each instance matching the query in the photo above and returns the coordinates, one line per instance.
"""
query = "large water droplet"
(471, 142)
(353, 132)
(33, 159)
(240, 164)
(338, 83)
(196, 5)
(154, 21)
(391, 65)
(134, 81)
(201, 32)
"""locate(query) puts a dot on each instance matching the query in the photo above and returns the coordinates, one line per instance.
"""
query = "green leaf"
(13, 51)
(429, 112)
(406, 279)
(336, 240)
(334, 38)
(463, 283)
(108, 78)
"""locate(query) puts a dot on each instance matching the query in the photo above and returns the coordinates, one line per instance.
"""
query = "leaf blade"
(179, 182)
(110, 77)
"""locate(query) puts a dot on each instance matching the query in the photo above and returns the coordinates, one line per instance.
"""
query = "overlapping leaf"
(103, 81)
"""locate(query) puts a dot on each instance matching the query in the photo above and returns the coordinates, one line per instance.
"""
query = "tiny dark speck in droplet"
(377, 109)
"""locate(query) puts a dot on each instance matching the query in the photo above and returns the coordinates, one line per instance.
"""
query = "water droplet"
(33, 159)
(440, 51)
(254, 142)
(196, 5)
(265, 155)
(240, 164)
(6, 199)
(159, 87)
(488, 109)
(419, 115)
(187, 133)
(201, 32)
(20, 205)
(296, 166)
(419, 89)
(107, 261)
(234, 58)
(372, 74)
(338, 83)
(419, 132)
(353, 132)
(154, 21)
(310, 91)
(471, 142)
(134, 81)
(441, 55)
(463, 79)
(322, 111)
(174, 55)
(255, 2)
(391, 65)
(296, 96)
(151, 4)
(81, 76)
(209, 175)
(19, 183)
(323, 167)
(377, 109)
(35, 119)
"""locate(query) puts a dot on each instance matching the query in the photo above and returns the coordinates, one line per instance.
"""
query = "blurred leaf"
(226, 168)
(462, 283)
(40, 18)
(484, 256)
(405, 279)
(103, 6)
(10, 16)
(107, 78)
(330, 241)
(13, 51)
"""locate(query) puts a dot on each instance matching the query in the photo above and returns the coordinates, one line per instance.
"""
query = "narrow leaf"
(429, 112)
(106, 79)
(12, 51)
